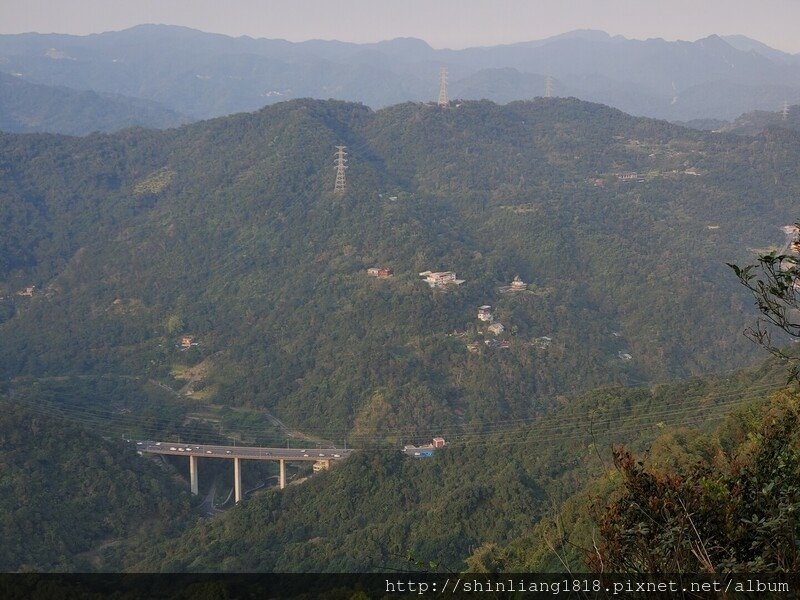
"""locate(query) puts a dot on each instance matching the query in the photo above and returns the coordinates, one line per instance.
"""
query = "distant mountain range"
(204, 75)
(30, 107)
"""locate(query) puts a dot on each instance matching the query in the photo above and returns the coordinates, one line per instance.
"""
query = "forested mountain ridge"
(755, 122)
(228, 230)
(28, 108)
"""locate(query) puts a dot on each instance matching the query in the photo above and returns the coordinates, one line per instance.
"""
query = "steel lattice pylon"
(443, 102)
(341, 165)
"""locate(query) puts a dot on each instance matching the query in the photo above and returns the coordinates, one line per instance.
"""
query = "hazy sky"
(442, 23)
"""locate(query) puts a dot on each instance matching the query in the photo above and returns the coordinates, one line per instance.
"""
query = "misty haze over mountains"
(185, 74)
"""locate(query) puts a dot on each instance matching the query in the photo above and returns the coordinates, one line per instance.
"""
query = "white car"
(208, 451)
(138, 443)
(227, 451)
(336, 456)
(322, 454)
(158, 443)
(180, 449)
(305, 454)
(173, 448)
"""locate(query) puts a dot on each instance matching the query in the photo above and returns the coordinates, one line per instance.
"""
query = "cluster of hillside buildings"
(443, 279)
(485, 315)
(438, 279)
(425, 450)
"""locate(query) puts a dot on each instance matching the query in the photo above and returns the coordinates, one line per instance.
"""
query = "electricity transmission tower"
(443, 88)
(340, 166)
(785, 111)
(548, 87)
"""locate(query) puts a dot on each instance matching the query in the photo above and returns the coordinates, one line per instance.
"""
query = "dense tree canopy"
(228, 230)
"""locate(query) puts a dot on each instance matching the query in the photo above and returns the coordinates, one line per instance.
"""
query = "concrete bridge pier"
(282, 478)
(237, 480)
(193, 474)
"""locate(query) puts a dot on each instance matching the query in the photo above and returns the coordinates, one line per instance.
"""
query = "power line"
(96, 418)
(490, 426)
(104, 413)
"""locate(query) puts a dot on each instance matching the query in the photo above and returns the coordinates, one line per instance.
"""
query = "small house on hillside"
(380, 272)
(440, 278)
(321, 465)
(485, 314)
(496, 328)
(517, 285)
(187, 341)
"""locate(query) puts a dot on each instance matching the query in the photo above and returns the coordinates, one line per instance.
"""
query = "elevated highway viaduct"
(324, 456)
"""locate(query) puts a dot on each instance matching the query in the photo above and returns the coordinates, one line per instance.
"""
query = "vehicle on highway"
(227, 451)
(209, 452)
(138, 443)
(305, 454)
(335, 456)
(172, 448)
(180, 449)
(321, 454)
(158, 443)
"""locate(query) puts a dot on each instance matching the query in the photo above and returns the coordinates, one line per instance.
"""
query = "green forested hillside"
(70, 500)
(228, 230)
(731, 491)
(753, 123)
(480, 503)
(27, 107)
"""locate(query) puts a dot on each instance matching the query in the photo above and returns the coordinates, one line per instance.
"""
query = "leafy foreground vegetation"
(695, 502)
(69, 499)
(461, 508)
